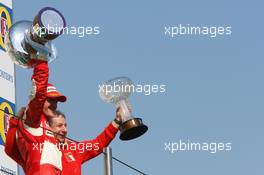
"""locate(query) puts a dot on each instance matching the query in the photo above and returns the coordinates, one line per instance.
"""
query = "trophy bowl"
(117, 91)
(28, 41)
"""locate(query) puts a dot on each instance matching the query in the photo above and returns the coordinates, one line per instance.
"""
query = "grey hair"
(57, 113)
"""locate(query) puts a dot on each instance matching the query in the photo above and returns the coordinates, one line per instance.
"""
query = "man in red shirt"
(74, 154)
(29, 141)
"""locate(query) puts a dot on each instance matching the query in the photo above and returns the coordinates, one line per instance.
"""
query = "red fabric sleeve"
(11, 148)
(39, 82)
(98, 144)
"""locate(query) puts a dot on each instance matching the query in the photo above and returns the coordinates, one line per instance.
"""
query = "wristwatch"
(117, 121)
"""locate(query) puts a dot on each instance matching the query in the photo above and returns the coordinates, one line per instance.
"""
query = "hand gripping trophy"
(28, 41)
(131, 127)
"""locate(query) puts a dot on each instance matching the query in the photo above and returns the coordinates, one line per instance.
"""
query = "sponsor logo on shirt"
(69, 157)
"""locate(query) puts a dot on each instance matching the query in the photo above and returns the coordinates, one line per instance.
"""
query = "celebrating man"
(38, 141)
(74, 154)
(29, 141)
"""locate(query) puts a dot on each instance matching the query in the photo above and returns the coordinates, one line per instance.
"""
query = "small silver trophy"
(117, 91)
(28, 41)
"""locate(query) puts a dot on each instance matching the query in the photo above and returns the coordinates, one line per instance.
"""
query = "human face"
(49, 107)
(59, 126)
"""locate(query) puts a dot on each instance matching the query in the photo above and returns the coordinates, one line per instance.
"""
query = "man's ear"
(50, 122)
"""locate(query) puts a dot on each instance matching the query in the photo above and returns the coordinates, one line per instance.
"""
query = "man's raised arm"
(38, 94)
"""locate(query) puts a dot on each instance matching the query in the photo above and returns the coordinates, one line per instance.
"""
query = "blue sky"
(214, 87)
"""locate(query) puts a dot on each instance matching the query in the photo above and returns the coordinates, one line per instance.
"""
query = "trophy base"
(132, 129)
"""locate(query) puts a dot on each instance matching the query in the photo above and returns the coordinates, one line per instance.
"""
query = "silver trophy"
(117, 91)
(29, 41)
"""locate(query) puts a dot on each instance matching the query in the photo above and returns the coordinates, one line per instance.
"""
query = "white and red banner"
(7, 88)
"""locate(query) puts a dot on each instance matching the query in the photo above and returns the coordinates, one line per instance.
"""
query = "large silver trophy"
(27, 41)
(117, 91)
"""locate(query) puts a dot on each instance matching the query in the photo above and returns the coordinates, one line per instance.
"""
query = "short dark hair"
(57, 113)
